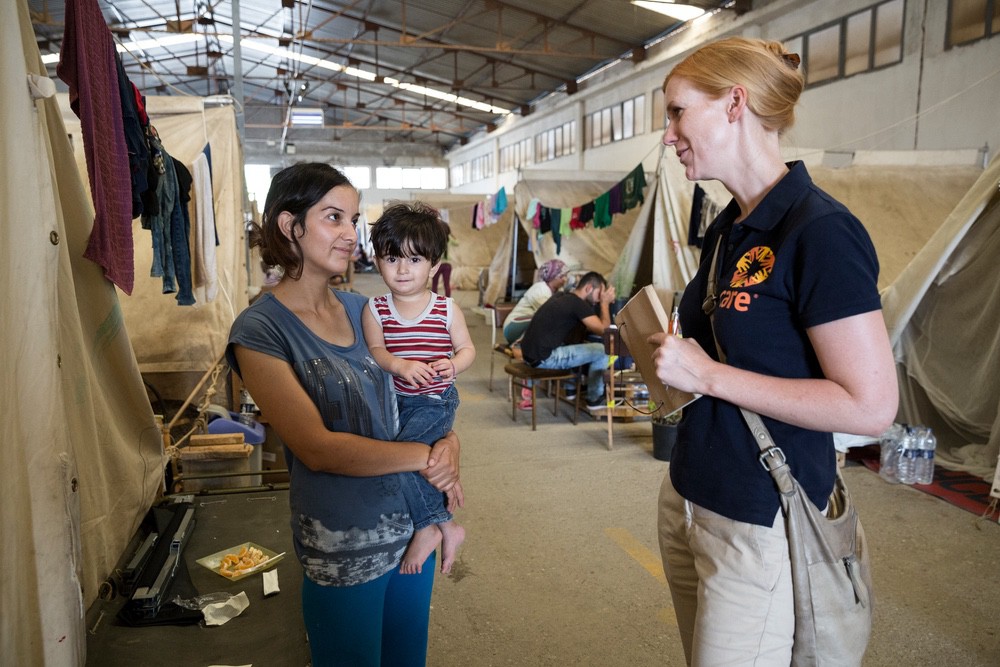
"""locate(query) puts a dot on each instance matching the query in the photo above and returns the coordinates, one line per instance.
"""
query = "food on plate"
(233, 565)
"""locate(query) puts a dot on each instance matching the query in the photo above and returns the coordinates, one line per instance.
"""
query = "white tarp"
(81, 459)
(943, 314)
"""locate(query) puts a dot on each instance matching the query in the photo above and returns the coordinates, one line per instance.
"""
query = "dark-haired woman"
(301, 353)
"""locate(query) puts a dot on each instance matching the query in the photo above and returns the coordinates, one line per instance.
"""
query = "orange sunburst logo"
(754, 267)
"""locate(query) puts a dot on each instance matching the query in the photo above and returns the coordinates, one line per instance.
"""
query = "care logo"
(753, 268)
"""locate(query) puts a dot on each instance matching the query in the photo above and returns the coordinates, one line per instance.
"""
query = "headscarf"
(551, 270)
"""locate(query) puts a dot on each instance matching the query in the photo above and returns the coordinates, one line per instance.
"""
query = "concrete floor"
(561, 564)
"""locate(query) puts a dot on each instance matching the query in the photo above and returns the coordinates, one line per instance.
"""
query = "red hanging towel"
(88, 64)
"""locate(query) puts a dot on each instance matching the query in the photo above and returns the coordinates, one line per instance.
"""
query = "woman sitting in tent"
(552, 277)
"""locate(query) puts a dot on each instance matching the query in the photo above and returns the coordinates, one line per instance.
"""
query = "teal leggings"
(382, 623)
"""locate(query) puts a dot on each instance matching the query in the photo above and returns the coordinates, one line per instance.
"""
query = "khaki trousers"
(730, 583)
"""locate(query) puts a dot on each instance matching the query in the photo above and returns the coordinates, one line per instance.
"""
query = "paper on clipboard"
(640, 318)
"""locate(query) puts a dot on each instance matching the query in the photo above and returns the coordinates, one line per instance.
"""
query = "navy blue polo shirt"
(799, 260)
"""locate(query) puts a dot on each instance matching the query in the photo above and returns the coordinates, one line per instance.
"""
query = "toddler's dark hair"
(406, 229)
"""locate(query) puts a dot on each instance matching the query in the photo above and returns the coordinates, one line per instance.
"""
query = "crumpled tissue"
(218, 613)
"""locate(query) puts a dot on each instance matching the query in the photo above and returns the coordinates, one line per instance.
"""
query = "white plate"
(213, 561)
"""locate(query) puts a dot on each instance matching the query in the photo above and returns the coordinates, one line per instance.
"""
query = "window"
(388, 178)
(433, 178)
(412, 178)
(258, 178)
(888, 33)
(856, 43)
(660, 114)
(615, 123)
(969, 20)
(551, 144)
(859, 42)
(628, 120)
(823, 47)
(360, 177)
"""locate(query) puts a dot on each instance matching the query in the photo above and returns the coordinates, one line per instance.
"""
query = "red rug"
(959, 488)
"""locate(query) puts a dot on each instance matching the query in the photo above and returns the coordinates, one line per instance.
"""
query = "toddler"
(422, 339)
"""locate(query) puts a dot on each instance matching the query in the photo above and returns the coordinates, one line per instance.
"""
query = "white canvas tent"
(81, 459)
(943, 314)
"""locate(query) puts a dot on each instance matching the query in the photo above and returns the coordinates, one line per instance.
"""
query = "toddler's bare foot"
(422, 544)
(452, 536)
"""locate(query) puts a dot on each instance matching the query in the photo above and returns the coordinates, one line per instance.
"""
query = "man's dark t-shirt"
(558, 322)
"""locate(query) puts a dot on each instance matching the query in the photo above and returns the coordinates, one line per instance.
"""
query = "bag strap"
(771, 456)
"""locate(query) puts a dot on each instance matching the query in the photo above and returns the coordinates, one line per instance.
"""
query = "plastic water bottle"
(907, 471)
(891, 447)
(925, 463)
(247, 408)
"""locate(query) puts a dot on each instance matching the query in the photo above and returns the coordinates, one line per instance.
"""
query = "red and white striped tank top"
(426, 338)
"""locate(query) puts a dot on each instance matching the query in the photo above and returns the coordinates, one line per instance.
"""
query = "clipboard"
(640, 318)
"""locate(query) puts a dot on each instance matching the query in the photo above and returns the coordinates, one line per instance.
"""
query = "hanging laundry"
(694, 222)
(489, 217)
(586, 213)
(156, 218)
(153, 196)
(88, 64)
(544, 220)
(205, 274)
(180, 234)
(565, 217)
(602, 214)
(556, 233)
(500, 202)
(616, 199)
(574, 218)
(632, 188)
(135, 139)
(532, 212)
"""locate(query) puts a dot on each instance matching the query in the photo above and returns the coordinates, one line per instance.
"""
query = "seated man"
(553, 339)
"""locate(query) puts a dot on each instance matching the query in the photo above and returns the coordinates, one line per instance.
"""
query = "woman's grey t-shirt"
(347, 530)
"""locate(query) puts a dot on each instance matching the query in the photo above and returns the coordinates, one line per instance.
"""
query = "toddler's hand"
(416, 373)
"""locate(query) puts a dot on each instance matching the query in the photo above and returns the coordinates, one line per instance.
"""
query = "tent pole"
(238, 70)
(513, 256)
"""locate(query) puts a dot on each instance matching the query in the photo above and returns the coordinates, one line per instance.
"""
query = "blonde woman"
(798, 318)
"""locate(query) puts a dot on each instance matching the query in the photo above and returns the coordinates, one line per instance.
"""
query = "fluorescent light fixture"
(279, 52)
(303, 117)
(674, 10)
(141, 44)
